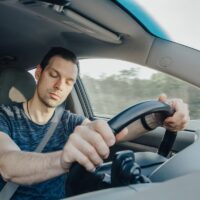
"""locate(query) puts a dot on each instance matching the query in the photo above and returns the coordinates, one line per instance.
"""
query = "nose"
(59, 85)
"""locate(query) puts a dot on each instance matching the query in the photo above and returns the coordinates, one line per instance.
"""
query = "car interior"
(104, 29)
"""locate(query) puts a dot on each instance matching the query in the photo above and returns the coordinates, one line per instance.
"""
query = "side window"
(113, 85)
(32, 72)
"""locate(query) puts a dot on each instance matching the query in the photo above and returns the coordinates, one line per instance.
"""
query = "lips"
(54, 96)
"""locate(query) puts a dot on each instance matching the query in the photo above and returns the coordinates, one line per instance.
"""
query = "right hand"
(179, 120)
(88, 145)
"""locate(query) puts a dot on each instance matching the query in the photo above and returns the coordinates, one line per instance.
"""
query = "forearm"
(29, 167)
(136, 129)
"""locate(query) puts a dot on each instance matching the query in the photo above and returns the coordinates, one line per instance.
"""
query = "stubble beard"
(48, 102)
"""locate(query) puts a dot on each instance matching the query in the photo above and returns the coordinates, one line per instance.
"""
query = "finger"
(176, 126)
(95, 139)
(72, 153)
(87, 149)
(182, 111)
(104, 130)
(121, 135)
(162, 97)
(181, 116)
(178, 121)
(171, 128)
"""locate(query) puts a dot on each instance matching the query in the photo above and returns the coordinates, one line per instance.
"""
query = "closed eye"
(70, 82)
(53, 74)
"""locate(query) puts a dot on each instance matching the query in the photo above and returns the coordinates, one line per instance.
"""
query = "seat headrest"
(16, 85)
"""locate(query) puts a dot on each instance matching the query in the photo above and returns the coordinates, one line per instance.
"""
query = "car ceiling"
(90, 28)
(30, 28)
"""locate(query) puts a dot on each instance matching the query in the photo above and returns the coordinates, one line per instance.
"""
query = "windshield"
(175, 20)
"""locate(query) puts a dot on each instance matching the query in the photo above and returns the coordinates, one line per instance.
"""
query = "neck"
(37, 111)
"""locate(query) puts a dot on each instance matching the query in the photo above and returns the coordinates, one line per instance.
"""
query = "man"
(76, 139)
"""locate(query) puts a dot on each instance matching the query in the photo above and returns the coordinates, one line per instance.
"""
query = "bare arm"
(27, 167)
(137, 129)
(178, 121)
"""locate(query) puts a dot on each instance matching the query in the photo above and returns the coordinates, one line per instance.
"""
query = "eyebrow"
(68, 79)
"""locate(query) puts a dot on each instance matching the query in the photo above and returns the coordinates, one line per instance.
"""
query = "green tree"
(111, 94)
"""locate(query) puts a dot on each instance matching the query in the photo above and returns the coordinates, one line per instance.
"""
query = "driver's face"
(56, 81)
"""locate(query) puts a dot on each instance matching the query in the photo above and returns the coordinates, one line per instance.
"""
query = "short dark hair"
(63, 53)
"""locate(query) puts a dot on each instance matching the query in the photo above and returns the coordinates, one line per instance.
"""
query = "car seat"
(16, 85)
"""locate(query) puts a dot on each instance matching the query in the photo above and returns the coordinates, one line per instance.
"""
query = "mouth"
(54, 96)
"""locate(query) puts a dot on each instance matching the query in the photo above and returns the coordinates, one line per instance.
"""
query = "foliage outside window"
(109, 93)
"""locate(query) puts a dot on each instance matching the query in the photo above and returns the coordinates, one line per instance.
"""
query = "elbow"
(8, 177)
(4, 174)
(4, 170)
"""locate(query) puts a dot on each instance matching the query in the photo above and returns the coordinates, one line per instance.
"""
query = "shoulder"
(10, 110)
(69, 115)
(72, 120)
(9, 115)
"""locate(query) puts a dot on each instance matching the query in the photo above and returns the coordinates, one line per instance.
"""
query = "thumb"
(162, 97)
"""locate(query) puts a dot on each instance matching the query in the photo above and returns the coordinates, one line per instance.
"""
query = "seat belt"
(10, 188)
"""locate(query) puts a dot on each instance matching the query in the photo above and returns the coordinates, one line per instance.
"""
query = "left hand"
(180, 118)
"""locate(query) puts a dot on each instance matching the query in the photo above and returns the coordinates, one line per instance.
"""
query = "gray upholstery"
(149, 161)
(16, 85)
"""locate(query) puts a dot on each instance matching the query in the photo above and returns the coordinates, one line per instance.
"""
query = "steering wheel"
(117, 123)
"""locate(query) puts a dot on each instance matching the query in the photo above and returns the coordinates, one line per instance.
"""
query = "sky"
(178, 18)
(109, 66)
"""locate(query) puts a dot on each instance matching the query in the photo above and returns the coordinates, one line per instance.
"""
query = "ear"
(38, 72)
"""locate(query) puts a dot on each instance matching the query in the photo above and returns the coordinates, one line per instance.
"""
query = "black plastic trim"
(83, 98)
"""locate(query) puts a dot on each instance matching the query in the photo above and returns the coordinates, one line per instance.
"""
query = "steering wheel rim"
(122, 120)
(139, 111)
